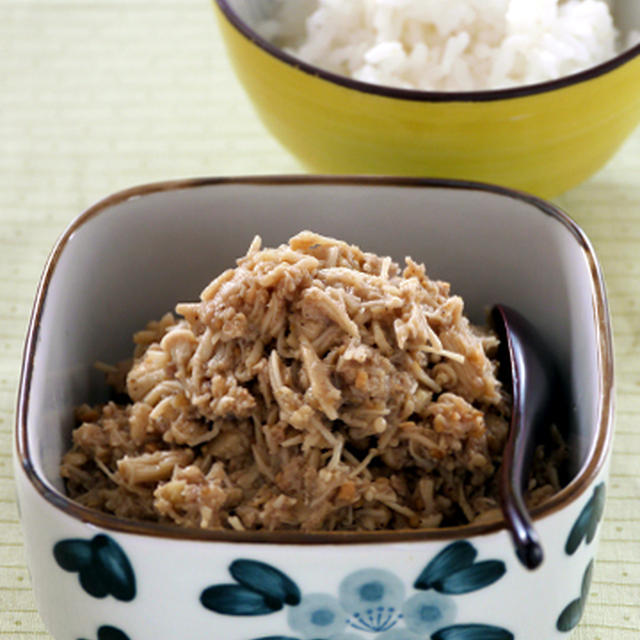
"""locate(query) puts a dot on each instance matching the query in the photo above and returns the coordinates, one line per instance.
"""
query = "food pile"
(313, 387)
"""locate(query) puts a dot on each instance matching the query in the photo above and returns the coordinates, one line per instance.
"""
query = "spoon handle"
(523, 533)
(525, 360)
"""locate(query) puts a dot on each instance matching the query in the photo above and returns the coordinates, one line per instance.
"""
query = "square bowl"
(132, 256)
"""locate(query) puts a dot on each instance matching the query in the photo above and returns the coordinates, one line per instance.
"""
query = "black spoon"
(531, 370)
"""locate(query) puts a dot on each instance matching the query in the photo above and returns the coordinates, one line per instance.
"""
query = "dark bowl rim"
(416, 95)
(591, 468)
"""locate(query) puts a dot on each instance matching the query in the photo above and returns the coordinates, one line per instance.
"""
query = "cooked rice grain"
(458, 45)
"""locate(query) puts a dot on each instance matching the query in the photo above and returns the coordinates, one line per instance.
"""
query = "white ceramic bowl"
(129, 258)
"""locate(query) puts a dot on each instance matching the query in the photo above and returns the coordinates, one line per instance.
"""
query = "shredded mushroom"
(313, 387)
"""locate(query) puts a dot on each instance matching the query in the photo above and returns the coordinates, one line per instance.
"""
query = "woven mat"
(100, 95)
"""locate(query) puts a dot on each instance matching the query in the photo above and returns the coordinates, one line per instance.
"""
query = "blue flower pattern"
(371, 603)
(372, 598)
(400, 634)
(425, 612)
(317, 616)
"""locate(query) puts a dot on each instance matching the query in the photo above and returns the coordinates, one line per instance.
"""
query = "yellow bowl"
(543, 138)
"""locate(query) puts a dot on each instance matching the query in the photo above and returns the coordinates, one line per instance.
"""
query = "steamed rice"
(312, 387)
(447, 45)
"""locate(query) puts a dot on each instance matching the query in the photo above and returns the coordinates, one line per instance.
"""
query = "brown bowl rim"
(416, 95)
(594, 463)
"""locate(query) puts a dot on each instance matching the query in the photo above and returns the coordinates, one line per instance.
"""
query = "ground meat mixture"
(313, 387)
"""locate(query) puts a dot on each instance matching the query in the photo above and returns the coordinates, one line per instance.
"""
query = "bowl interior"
(130, 260)
(255, 12)
(626, 14)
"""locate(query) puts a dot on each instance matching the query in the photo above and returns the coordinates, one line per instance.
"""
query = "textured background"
(99, 95)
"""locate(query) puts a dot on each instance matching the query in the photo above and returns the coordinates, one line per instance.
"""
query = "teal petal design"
(597, 511)
(266, 580)
(111, 633)
(103, 567)
(114, 567)
(586, 524)
(107, 632)
(586, 581)
(453, 558)
(571, 614)
(472, 632)
(578, 531)
(237, 600)
(73, 554)
(473, 578)
(91, 581)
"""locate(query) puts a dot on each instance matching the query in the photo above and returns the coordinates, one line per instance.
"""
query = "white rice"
(447, 45)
